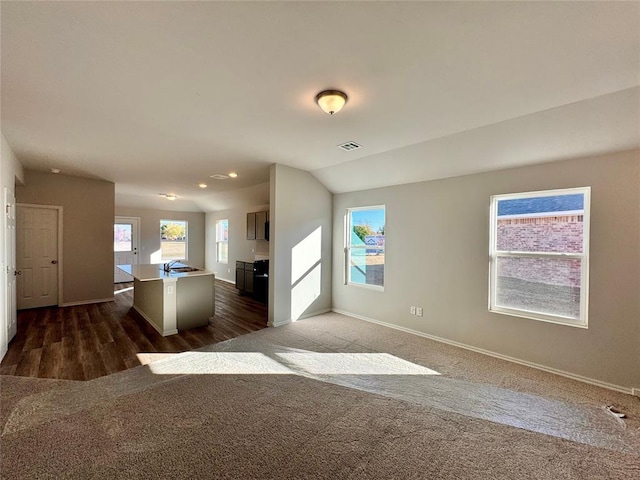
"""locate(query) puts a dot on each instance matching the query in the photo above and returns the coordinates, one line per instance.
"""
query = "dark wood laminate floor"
(89, 341)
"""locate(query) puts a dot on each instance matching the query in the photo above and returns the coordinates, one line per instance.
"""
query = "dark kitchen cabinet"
(261, 225)
(251, 226)
(258, 226)
(244, 277)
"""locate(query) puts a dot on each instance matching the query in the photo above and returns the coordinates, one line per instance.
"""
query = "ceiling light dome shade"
(331, 101)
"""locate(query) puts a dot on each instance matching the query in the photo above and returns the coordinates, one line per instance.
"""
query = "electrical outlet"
(419, 311)
(413, 310)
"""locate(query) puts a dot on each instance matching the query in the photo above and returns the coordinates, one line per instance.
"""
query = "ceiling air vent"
(219, 176)
(348, 146)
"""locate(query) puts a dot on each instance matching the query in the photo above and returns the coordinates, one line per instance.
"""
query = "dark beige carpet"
(302, 402)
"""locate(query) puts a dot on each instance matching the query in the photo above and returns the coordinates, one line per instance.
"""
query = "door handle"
(53, 262)
(17, 272)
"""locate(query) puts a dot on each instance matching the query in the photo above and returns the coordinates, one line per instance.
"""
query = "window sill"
(541, 318)
(367, 287)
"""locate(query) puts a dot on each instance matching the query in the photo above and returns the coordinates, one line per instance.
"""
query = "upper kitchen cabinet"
(251, 226)
(261, 226)
(258, 226)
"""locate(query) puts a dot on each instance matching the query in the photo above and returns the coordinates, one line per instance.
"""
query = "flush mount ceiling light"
(202, 185)
(222, 176)
(168, 196)
(55, 170)
(331, 101)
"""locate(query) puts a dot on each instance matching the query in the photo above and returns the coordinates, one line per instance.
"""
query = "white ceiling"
(158, 96)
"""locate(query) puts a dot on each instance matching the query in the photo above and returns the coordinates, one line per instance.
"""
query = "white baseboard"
(225, 280)
(526, 363)
(88, 302)
(157, 329)
(3, 351)
(314, 314)
(279, 324)
(302, 317)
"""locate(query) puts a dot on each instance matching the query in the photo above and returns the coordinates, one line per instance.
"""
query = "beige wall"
(88, 211)
(437, 236)
(300, 246)
(150, 232)
(239, 247)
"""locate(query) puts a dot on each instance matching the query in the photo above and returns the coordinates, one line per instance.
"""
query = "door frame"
(138, 220)
(60, 223)
(9, 261)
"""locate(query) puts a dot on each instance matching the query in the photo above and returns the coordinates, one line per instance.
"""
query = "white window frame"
(186, 239)
(219, 241)
(495, 254)
(348, 247)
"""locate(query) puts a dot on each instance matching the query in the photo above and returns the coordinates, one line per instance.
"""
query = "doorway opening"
(125, 246)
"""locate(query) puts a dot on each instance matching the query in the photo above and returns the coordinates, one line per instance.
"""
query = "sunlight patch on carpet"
(287, 363)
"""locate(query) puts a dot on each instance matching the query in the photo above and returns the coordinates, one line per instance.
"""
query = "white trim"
(312, 314)
(494, 255)
(537, 366)
(366, 286)
(541, 317)
(348, 247)
(224, 279)
(88, 302)
(60, 246)
(186, 243)
(563, 213)
(538, 193)
(279, 324)
(138, 220)
(301, 317)
(134, 221)
(218, 241)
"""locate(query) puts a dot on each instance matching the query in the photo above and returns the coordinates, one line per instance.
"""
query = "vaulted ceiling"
(159, 96)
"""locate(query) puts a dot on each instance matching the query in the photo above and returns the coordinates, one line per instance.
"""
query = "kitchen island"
(172, 300)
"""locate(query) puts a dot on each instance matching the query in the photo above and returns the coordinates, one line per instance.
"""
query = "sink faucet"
(168, 265)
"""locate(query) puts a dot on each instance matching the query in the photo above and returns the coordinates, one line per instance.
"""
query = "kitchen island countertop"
(147, 272)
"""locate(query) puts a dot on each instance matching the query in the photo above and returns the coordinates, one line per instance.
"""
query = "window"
(222, 241)
(365, 246)
(539, 253)
(173, 240)
(122, 237)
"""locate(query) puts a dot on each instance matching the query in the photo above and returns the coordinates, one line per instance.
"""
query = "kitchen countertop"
(148, 272)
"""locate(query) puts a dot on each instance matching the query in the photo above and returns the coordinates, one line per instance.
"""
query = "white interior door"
(10, 262)
(37, 256)
(125, 246)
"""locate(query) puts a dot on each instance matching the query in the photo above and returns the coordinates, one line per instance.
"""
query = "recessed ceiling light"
(233, 174)
(202, 185)
(55, 170)
(168, 196)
